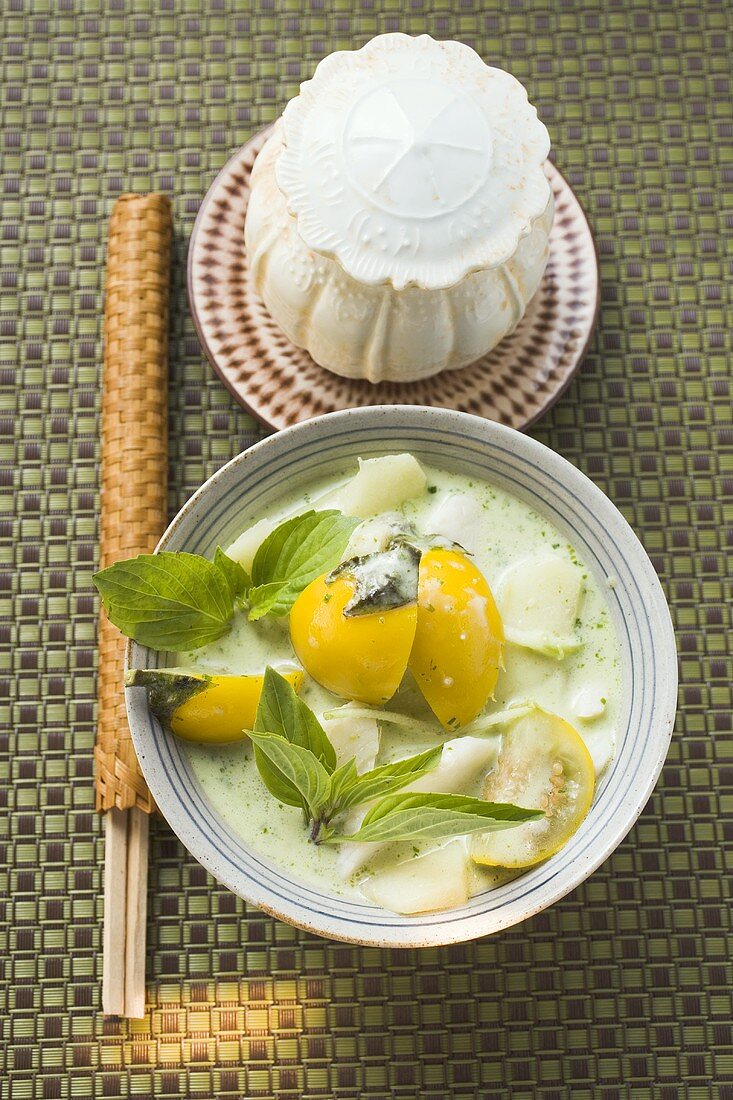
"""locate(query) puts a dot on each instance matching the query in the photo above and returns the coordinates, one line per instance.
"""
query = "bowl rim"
(665, 695)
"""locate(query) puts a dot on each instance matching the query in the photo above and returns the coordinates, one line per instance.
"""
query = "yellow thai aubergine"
(361, 657)
(196, 706)
(457, 652)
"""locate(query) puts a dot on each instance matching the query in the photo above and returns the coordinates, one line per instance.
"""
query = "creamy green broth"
(499, 531)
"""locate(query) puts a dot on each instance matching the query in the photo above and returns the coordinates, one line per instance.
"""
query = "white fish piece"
(437, 880)
(456, 516)
(380, 485)
(353, 735)
(463, 762)
(539, 599)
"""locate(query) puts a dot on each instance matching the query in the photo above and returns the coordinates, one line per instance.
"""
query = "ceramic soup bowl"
(455, 441)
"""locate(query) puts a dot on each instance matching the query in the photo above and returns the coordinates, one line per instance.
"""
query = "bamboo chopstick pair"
(134, 466)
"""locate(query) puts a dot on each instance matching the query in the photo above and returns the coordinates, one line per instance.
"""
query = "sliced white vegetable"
(246, 546)
(422, 726)
(353, 735)
(539, 599)
(381, 485)
(463, 764)
(351, 855)
(589, 703)
(438, 880)
(486, 723)
(541, 593)
(456, 517)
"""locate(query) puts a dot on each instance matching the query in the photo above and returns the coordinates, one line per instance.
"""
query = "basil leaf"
(280, 711)
(436, 816)
(237, 577)
(167, 600)
(266, 599)
(342, 781)
(175, 600)
(389, 778)
(292, 773)
(293, 555)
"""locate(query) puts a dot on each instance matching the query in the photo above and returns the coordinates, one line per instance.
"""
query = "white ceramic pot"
(399, 215)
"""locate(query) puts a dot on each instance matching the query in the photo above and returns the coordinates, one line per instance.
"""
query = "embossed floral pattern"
(411, 162)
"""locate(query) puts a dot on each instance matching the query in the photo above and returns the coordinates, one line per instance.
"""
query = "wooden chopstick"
(133, 516)
(136, 912)
(115, 913)
(125, 910)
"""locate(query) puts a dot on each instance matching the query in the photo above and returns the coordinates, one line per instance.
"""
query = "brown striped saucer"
(281, 385)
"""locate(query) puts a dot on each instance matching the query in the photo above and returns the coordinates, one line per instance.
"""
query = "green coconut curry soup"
(463, 632)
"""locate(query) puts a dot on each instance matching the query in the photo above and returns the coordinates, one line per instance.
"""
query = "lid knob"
(416, 148)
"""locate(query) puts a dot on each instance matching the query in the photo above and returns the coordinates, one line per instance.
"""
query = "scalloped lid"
(411, 162)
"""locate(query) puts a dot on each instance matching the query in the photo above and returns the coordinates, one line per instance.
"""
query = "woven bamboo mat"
(624, 988)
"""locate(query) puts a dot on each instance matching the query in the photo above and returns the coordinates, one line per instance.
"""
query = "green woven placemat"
(624, 988)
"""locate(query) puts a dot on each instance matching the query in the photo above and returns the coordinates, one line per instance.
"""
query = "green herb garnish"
(293, 555)
(282, 712)
(428, 816)
(170, 600)
(293, 774)
(389, 778)
(238, 578)
(296, 762)
(179, 601)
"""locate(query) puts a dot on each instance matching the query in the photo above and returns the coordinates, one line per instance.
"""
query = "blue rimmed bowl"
(548, 483)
